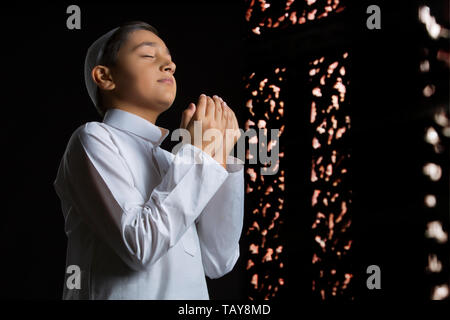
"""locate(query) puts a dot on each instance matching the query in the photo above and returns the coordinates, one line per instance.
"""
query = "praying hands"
(212, 126)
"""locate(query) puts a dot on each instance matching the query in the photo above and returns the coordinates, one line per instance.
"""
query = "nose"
(169, 65)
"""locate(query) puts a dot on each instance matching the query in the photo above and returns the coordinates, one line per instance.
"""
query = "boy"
(141, 222)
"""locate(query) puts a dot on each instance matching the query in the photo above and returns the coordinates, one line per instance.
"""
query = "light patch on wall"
(265, 193)
(262, 16)
(330, 198)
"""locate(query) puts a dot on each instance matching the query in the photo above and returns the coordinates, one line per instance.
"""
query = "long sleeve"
(100, 188)
(220, 224)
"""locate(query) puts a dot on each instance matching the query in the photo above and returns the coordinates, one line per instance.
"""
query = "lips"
(166, 80)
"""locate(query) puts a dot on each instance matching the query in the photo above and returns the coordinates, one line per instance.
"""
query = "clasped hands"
(212, 126)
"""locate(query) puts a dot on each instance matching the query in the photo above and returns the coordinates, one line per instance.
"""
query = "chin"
(165, 104)
(167, 101)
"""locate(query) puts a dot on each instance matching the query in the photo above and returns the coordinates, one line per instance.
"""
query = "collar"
(133, 123)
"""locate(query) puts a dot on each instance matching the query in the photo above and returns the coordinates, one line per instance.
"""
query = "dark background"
(44, 101)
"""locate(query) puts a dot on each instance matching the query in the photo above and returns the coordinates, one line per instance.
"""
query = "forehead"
(139, 36)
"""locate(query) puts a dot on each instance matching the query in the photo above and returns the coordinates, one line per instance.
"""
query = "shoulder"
(92, 135)
(92, 129)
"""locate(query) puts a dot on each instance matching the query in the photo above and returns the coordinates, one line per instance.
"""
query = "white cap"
(93, 56)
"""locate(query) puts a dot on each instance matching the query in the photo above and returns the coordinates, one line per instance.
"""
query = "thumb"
(187, 115)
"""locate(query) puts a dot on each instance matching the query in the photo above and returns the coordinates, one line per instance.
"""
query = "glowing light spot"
(340, 132)
(262, 84)
(316, 91)
(251, 172)
(313, 112)
(254, 248)
(253, 140)
(440, 292)
(268, 255)
(264, 209)
(430, 200)
(320, 241)
(433, 171)
(434, 265)
(271, 144)
(249, 123)
(433, 28)
(311, 15)
(314, 197)
(249, 105)
(293, 17)
(441, 118)
(261, 124)
(315, 258)
(332, 66)
(348, 246)
(435, 231)
(276, 90)
(315, 143)
(432, 136)
(425, 66)
(277, 215)
(255, 280)
(313, 176)
(429, 90)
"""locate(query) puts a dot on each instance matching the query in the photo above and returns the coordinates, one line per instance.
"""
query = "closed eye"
(149, 56)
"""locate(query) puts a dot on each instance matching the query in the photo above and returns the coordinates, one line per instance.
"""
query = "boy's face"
(142, 62)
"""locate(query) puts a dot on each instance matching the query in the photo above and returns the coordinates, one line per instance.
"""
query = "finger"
(224, 110)
(235, 121)
(218, 111)
(210, 108)
(187, 115)
(224, 115)
(232, 122)
(229, 116)
(237, 131)
(227, 120)
(233, 116)
(201, 107)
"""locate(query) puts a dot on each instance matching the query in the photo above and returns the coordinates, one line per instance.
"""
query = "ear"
(102, 77)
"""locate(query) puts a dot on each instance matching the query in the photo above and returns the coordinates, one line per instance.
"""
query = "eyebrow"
(151, 44)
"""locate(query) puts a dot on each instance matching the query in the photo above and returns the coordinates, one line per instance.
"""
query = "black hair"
(112, 46)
